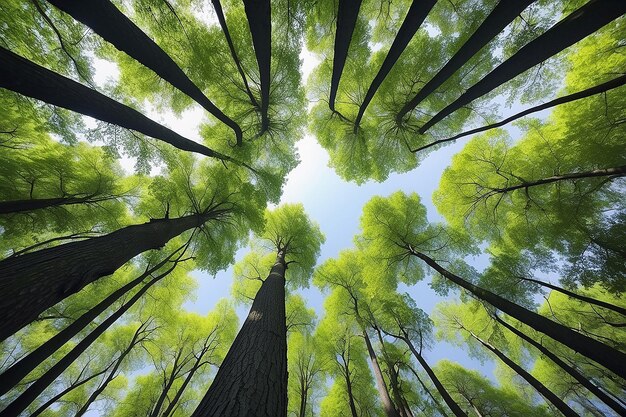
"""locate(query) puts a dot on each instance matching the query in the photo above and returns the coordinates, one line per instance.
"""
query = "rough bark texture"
(608, 357)
(581, 23)
(259, 14)
(534, 382)
(440, 388)
(17, 372)
(503, 14)
(107, 21)
(25, 77)
(252, 380)
(20, 206)
(35, 281)
(388, 406)
(347, 15)
(585, 382)
(415, 16)
(609, 85)
(39, 385)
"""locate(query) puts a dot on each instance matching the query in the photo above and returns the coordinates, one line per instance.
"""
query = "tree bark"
(579, 297)
(259, 14)
(608, 357)
(456, 410)
(414, 18)
(579, 24)
(585, 382)
(12, 376)
(303, 399)
(609, 85)
(27, 78)
(430, 394)
(32, 204)
(111, 24)
(347, 14)
(350, 394)
(252, 380)
(542, 389)
(177, 367)
(503, 14)
(222, 20)
(35, 281)
(172, 404)
(36, 388)
(388, 406)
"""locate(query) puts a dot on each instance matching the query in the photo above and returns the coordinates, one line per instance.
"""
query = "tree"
(296, 242)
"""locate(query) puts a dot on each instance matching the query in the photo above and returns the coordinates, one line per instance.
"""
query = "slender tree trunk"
(542, 389)
(606, 172)
(471, 403)
(174, 374)
(609, 85)
(170, 407)
(20, 206)
(252, 380)
(111, 24)
(36, 388)
(259, 14)
(579, 297)
(12, 376)
(503, 14)
(113, 373)
(430, 394)
(393, 377)
(581, 23)
(303, 399)
(350, 394)
(585, 382)
(347, 15)
(222, 20)
(25, 77)
(418, 11)
(35, 281)
(456, 410)
(608, 357)
(388, 406)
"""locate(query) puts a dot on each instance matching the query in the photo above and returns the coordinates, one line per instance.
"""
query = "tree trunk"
(503, 14)
(542, 389)
(347, 14)
(170, 407)
(582, 298)
(111, 24)
(252, 380)
(456, 410)
(25, 77)
(222, 20)
(20, 206)
(40, 384)
(388, 405)
(35, 281)
(418, 11)
(303, 398)
(581, 23)
(112, 374)
(608, 357)
(12, 376)
(168, 382)
(585, 382)
(430, 394)
(393, 377)
(609, 85)
(350, 394)
(259, 14)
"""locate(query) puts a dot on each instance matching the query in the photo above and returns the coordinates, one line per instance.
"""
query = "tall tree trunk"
(136, 339)
(388, 406)
(35, 281)
(252, 380)
(303, 399)
(615, 172)
(172, 404)
(418, 11)
(36, 388)
(222, 20)
(350, 393)
(111, 24)
(608, 357)
(609, 85)
(579, 297)
(25, 77)
(581, 23)
(585, 382)
(347, 14)
(259, 15)
(12, 376)
(31, 204)
(430, 394)
(542, 389)
(168, 382)
(456, 410)
(393, 377)
(503, 14)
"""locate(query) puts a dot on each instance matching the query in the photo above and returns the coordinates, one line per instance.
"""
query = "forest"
(313, 208)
